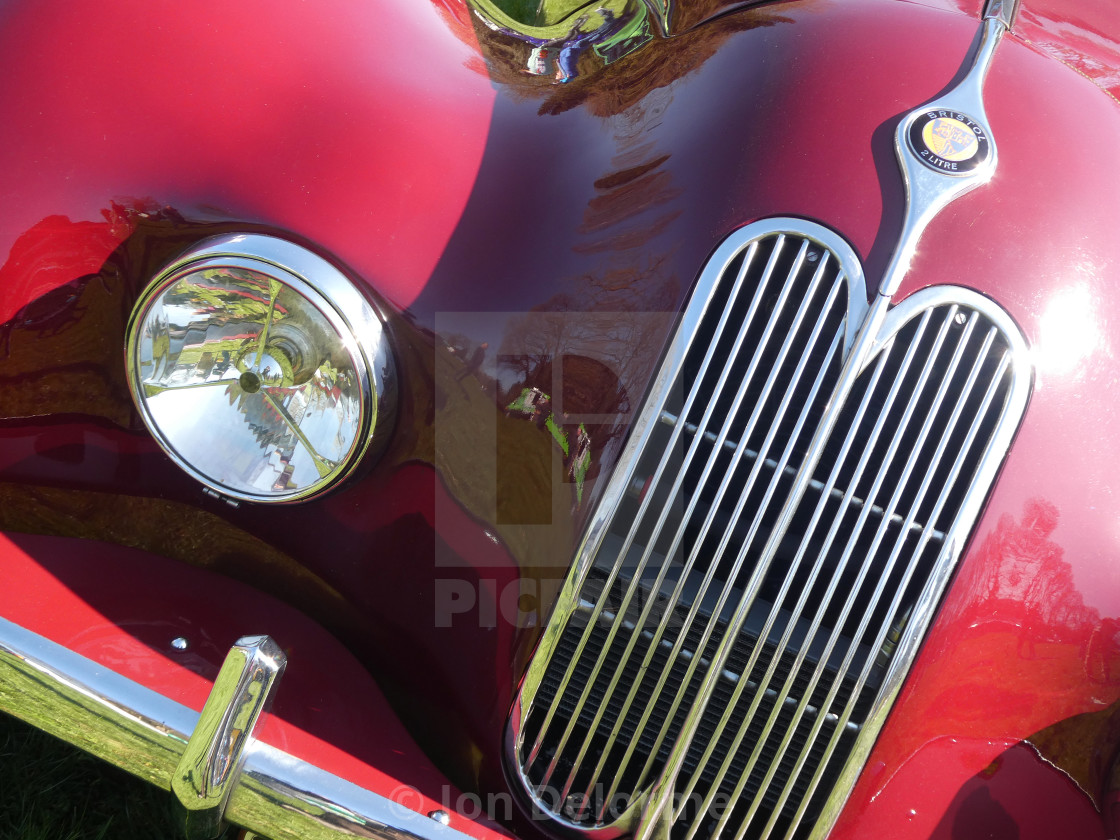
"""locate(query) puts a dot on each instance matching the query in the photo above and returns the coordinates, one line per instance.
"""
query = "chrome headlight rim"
(357, 323)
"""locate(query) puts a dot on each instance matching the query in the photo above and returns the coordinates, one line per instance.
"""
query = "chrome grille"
(758, 575)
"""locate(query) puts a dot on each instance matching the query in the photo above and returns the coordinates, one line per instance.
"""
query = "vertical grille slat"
(885, 628)
(768, 555)
(633, 590)
(958, 465)
(752, 477)
(725, 317)
(880, 533)
(759, 694)
(806, 590)
(801, 550)
(678, 534)
(814, 484)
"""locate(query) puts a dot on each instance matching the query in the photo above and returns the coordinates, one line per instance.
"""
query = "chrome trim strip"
(208, 769)
(1005, 11)
(86, 705)
(145, 733)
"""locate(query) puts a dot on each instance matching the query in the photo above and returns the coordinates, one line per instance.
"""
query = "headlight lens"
(259, 368)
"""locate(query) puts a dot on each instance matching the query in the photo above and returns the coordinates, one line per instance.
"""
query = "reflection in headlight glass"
(248, 381)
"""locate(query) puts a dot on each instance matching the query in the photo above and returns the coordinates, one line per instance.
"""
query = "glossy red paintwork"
(467, 193)
(1081, 36)
(309, 121)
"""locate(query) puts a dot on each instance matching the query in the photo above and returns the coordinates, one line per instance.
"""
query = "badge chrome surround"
(945, 149)
(949, 141)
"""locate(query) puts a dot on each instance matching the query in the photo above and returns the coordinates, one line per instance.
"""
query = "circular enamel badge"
(949, 141)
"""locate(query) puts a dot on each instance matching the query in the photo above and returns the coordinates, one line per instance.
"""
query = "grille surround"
(861, 341)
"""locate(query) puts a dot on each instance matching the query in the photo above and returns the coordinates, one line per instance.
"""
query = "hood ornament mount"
(945, 148)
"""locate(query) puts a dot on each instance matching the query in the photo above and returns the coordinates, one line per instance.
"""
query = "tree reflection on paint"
(1022, 578)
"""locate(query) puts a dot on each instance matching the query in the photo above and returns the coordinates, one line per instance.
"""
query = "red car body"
(408, 142)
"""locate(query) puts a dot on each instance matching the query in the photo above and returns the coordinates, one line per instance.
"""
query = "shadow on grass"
(50, 790)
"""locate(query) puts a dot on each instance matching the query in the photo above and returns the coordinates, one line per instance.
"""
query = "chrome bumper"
(147, 734)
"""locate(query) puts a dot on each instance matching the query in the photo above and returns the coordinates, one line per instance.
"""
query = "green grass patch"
(547, 18)
(50, 790)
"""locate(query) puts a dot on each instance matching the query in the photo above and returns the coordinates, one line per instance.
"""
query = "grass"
(50, 790)
(541, 13)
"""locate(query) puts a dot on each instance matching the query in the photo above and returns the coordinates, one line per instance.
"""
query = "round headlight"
(260, 369)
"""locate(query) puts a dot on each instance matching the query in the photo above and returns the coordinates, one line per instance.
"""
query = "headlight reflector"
(259, 368)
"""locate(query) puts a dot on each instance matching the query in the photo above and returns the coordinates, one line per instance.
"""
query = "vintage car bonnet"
(715, 434)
